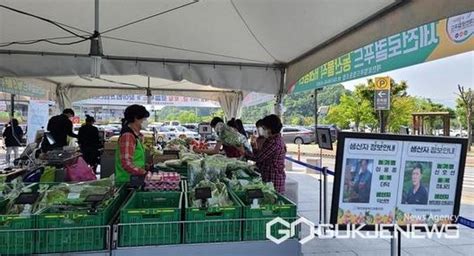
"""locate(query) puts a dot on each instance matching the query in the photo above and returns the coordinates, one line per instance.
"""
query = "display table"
(245, 248)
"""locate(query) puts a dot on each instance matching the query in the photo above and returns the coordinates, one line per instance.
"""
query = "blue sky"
(436, 80)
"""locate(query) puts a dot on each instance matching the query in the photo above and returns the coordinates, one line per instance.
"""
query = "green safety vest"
(121, 175)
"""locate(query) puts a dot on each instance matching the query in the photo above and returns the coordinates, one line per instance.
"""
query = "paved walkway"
(308, 207)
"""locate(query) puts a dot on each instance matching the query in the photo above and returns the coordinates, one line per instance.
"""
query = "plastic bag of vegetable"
(185, 157)
(215, 167)
(270, 195)
(175, 163)
(219, 195)
(195, 172)
(231, 137)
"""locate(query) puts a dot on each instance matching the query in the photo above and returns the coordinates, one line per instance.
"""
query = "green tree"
(302, 104)
(351, 109)
(367, 91)
(401, 112)
(466, 97)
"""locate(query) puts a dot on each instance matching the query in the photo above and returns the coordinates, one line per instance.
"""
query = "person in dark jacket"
(89, 142)
(240, 127)
(60, 127)
(12, 135)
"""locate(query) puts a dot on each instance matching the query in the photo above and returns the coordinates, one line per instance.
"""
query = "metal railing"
(55, 240)
(189, 232)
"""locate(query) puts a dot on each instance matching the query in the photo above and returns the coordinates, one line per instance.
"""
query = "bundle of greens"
(240, 169)
(196, 172)
(177, 144)
(215, 167)
(174, 163)
(72, 196)
(14, 190)
(270, 195)
(186, 157)
(231, 137)
(220, 195)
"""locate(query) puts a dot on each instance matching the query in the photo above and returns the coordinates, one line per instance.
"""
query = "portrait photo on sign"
(357, 177)
(416, 182)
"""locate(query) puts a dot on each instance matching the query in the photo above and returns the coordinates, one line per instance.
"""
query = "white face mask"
(260, 131)
(145, 124)
(265, 133)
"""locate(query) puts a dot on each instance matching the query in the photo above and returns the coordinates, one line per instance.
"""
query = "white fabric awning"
(230, 44)
(241, 45)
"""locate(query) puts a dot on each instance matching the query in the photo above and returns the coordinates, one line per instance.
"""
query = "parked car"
(171, 123)
(297, 135)
(187, 133)
(167, 133)
(110, 131)
(191, 127)
(332, 127)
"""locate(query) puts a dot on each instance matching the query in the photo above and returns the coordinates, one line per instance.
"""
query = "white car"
(181, 130)
(167, 133)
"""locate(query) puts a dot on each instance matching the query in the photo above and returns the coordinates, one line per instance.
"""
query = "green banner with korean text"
(424, 43)
(19, 87)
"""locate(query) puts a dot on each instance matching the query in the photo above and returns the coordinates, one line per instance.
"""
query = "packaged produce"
(270, 195)
(215, 167)
(195, 172)
(72, 196)
(231, 137)
(219, 193)
(174, 163)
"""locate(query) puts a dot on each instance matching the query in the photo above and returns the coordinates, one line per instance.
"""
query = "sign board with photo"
(324, 138)
(394, 179)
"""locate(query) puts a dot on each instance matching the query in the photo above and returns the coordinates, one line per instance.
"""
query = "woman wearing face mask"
(258, 139)
(130, 153)
(270, 157)
(228, 150)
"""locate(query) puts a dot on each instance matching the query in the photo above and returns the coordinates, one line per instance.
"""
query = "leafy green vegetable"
(231, 137)
(195, 172)
(220, 195)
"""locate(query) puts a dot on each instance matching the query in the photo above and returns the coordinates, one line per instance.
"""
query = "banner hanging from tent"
(424, 43)
(18, 87)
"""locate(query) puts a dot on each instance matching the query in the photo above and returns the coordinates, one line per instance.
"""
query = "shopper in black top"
(89, 142)
(12, 135)
(60, 127)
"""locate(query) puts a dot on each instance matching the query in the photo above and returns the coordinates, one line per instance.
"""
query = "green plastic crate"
(76, 231)
(208, 225)
(255, 220)
(16, 231)
(148, 210)
(16, 234)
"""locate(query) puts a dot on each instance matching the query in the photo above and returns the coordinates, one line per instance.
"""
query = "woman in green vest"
(130, 152)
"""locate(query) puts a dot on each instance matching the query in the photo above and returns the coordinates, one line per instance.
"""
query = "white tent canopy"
(237, 45)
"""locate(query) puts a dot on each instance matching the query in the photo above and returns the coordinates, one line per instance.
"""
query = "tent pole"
(148, 93)
(12, 106)
(279, 97)
(96, 25)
